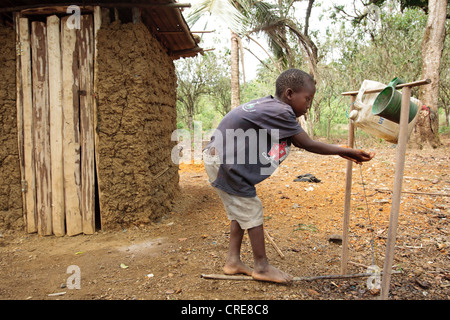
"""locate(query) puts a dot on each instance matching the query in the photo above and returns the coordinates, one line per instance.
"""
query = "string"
(368, 213)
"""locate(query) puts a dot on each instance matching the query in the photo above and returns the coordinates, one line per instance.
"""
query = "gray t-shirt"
(251, 141)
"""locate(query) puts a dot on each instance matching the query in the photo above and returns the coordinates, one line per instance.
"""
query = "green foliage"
(354, 48)
(263, 85)
(203, 89)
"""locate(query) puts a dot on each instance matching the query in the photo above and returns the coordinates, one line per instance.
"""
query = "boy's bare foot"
(236, 267)
(269, 273)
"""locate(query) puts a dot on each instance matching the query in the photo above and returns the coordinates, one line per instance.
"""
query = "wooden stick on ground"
(273, 244)
(415, 192)
(325, 277)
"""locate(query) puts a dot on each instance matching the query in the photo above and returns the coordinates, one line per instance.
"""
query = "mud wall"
(10, 188)
(136, 117)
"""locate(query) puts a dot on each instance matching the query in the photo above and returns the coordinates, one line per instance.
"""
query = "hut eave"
(162, 17)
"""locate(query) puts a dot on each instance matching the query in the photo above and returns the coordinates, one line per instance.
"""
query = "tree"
(444, 93)
(248, 16)
(328, 96)
(220, 87)
(194, 80)
(426, 131)
(277, 22)
(227, 11)
(221, 95)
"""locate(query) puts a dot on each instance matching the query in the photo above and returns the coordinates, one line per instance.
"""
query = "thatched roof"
(162, 17)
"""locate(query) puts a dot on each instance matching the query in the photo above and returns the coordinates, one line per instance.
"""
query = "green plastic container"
(388, 103)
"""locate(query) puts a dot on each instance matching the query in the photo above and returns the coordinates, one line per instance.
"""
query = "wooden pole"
(56, 124)
(86, 74)
(41, 122)
(71, 131)
(19, 107)
(325, 277)
(28, 148)
(414, 192)
(400, 86)
(397, 191)
(348, 191)
(98, 20)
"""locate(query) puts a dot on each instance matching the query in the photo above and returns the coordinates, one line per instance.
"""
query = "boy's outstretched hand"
(302, 140)
(358, 156)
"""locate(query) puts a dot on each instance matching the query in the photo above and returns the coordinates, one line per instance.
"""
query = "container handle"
(396, 81)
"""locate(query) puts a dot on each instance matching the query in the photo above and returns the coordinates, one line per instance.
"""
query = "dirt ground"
(165, 260)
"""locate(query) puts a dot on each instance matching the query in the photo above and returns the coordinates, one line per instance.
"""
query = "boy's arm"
(302, 140)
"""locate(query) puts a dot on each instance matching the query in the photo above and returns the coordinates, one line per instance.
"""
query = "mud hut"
(87, 109)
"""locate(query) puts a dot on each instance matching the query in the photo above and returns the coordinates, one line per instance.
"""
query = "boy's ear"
(288, 93)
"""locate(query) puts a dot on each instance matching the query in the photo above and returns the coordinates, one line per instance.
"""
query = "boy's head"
(296, 88)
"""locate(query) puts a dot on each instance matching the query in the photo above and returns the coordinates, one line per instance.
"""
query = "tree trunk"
(190, 122)
(235, 89)
(426, 130)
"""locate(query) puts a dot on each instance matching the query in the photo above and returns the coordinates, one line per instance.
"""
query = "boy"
(246, 148)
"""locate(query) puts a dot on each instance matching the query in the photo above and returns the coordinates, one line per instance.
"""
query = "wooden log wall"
(57, 116)
(57, 113)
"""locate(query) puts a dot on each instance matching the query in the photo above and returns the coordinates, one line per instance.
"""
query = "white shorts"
(248, 212)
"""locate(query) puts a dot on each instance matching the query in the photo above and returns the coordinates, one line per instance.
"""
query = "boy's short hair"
(293, 78)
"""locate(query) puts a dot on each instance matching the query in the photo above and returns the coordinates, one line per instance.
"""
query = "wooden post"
(41, 121)
(28, 149)
(86, 62)
(19, 107)
(98, 20)
(71, 132)
(396, 196)
(398, 180)
(56, 124)
(348, 192)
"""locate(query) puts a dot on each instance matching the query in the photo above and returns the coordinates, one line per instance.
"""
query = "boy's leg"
(234, 265)
(262, 269)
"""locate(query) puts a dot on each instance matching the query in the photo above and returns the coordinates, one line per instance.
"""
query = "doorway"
(56, 103)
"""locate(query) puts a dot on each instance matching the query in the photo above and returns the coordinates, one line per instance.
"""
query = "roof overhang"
(163, 18)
